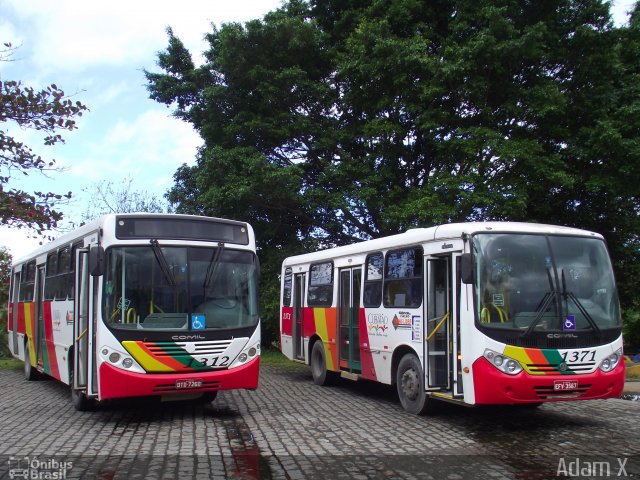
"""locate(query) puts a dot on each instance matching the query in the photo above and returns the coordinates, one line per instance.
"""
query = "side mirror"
(96, 261)
(466, 268)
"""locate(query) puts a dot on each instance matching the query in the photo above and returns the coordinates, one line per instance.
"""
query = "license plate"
(560, 385)
(189, 383)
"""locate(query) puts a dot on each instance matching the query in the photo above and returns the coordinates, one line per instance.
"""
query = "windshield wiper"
(544, 305)
(546, 301)
(583, 310)
(162, 261)
(213, 265)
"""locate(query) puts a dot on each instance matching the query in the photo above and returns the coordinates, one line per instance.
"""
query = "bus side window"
(403, 278)
(28, 282)
(63, 291)
(71, 276)
(320, 291)
(51, 279)
(372, 294)
(286, 289)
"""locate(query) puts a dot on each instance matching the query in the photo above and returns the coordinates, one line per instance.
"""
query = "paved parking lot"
(292, 429)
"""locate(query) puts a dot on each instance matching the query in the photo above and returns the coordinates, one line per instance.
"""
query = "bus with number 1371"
(471, 313)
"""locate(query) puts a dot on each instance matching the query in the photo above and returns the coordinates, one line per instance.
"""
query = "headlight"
(611, 361)
(119, 359)
(503, 363)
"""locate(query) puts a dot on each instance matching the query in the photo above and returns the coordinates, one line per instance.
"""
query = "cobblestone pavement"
(292, 429)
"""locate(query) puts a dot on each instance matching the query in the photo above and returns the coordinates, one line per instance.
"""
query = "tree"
(48, 111)
(331, 121)
(109, 197)
(5, 275)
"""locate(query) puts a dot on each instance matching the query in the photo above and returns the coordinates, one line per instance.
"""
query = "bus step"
(350, 376)
(447, 396)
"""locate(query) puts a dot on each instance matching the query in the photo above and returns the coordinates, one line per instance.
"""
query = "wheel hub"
(410, 384)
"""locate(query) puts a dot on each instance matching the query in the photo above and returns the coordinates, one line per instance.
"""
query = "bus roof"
(98, 223)
(417, 236)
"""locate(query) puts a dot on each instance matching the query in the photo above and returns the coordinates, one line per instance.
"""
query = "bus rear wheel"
(410, 385)
(319, 365)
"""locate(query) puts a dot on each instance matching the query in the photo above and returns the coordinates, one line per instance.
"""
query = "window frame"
(371, 284)
(416, 298)
(313, 286)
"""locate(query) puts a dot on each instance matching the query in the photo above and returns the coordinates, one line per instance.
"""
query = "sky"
(96, 52)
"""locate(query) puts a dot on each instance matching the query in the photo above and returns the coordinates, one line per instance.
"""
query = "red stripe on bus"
(50, 349)
(368, 369)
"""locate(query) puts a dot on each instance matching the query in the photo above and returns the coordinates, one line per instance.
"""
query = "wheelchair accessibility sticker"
(569, 323)
(197, 322)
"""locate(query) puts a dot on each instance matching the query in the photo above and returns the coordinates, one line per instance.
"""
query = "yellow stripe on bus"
(144, 359)
(320, 317)
(28, 328)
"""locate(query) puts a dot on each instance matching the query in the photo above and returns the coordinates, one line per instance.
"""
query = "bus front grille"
(171, 349)
(554, 368)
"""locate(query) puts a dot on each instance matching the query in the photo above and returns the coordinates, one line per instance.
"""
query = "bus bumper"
(494, 387)
(118, 383)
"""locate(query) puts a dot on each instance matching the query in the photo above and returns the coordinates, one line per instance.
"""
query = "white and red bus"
(474, 313)
(140, 305)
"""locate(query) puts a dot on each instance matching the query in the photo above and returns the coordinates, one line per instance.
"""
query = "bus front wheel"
(319, 365)
(78, 398)
(30, 373)
(410, 385)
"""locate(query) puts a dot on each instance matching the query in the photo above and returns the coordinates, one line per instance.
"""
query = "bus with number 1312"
(137, 305)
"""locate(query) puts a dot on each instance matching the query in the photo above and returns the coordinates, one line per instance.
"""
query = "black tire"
(529, 406)
(410, 385)
(208, 397)
(318, 363)
(79, 400)
(30, 373)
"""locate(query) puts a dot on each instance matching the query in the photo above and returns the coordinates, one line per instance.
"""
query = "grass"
(10, 364)
(274, 358)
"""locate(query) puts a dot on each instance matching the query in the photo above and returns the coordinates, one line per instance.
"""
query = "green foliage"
(4, 341)
(326, 122)
(48, 111)
(5, 275)
(631, 328)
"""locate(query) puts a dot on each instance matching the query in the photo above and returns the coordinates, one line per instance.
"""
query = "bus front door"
(298, 304)
(81, 323)
(442, 337)
(349, 319)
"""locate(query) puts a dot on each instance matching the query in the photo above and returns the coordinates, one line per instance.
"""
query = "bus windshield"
(180, 288)
(544, 283)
